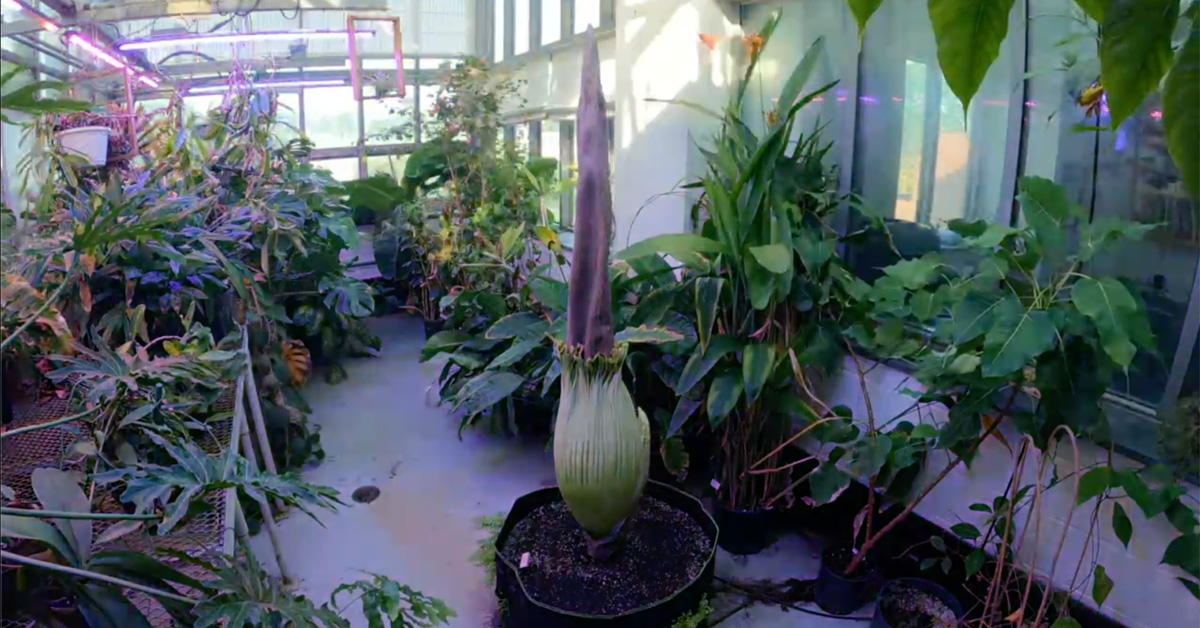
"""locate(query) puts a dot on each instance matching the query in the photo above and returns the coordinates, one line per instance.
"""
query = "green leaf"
(1121, 525)
(1184, 552)
(683, 411)
(1017, 336)
(1181, 517)
(509, 241)
(511, 326)
(1065, 622)
(1135, 52)
(514, 353)
(443, 342)
(924, 430)
(968, 35)
(1192, 587)
(977, 507)
(965, 531)
(972, 317)
(814, 251)
(708, 295)
(217, 355)
(974, 562)
(938, 543)
(58, 490)
(827, 483)
(925, 305)
(1094, 483)
(1094, 9)
(723, 396)
(776, 258)
(1102, 585)
(702, 361)
(647, 334)
(1151, 504)
(1105, 231)
(869, 455)
(38, 530)
(964, 363)
(691, 250)
(1044, 205)
(799, 77)
(758, 360)
(863, 10)
(915, 273)
(137, 414)
(1107, 302)
(992, 237)
(486, 390)
(1180, 115)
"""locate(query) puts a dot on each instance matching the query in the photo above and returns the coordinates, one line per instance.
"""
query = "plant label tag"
(715, 485)
(524, 560)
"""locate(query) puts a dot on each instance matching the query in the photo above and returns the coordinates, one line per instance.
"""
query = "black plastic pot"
(522, 611)
(836, 593)
(433, 327)
(745, 532)
(920, 584)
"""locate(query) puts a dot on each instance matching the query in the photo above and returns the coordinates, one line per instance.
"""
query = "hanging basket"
(88, 142)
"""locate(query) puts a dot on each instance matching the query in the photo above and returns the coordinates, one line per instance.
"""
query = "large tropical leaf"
(758, 360)
(646, 334)
(968, 35)
(443, 342)
(1181, 116)
(517, 326)
(38, 530)
(799, 77)
(58, 490)
(691, 250)
(1109, 305)
(1135, 52)
(486, 390)
(514, 353)
(703, 360)
(863, 10)
(1017, 336)
(708, 296)
(348, 297)
(776, 258)
(723, 395)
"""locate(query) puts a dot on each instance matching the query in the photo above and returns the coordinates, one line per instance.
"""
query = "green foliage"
(696, 618)
(383, 598)
(968, 35)
(485, 555)
(26, 98)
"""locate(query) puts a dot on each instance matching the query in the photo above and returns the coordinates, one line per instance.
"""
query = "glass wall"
(918, 159)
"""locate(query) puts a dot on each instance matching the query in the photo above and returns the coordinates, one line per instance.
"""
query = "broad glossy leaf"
(1184, 552)
(551, 293)
(511, 326)
(1121, 524)
(1017, 336)
(57, 490)
(863, 10)
(104, 606)
(647, 334)
(708, 296)
(486, 390)
(1180, 115)
(925, 305)
(1105, 231)
(974, 562)
(514, 353)
(968, 35)
(38, 530)
(776, 258)
(1108, 304)
(758, 360)
(1135, 52)
(827, 483)
(653, 307)
(1094, 9)
(443, 342)
(683, 411)
(690, 249)
(1044, 206)
(1102, 585)
(870, 454)
(915, 274)
(964, 363)
(1094, 483)
(723, 395)
(703, 360)
(972, 317)
(814, 250)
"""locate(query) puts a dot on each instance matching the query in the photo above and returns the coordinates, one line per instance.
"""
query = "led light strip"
(107, 57)
(234, 38)
(216, 89)
(47, 24)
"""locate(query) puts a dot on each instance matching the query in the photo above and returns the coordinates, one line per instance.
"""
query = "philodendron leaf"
(57, 490)
(1018, 335)
(1180, 115)
(1108, 304)
(1135, 52)
(968, 35)
(863, 10)
(647, 334)
(758, 360)
(723, 395)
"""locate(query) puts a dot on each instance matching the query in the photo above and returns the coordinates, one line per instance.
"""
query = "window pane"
(520, 26)
(587, 13)
(1126, 174)
(390, 120)
(389, 164)
(551, 148)
(918, 158)
(342, 169)
(551, 21)
(287, 119)
(498, 33)
(331, 116)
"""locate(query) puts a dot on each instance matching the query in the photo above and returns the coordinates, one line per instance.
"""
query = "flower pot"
(905, 603)
(88, 142)
(745, 532)
(433, 327)
(836, 593)
(549, 586)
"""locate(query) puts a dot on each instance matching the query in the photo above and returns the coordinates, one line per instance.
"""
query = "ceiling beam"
(148, 10)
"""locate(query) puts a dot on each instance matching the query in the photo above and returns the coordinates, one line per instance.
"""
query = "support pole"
(256, 413)
(229, 545)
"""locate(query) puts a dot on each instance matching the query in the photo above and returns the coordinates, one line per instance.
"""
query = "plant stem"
(91, 575)
(41, 310)
(862, 553)
(48, 424)
(66, 514)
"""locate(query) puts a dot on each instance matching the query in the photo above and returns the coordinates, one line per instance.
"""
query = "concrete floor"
(377, 428)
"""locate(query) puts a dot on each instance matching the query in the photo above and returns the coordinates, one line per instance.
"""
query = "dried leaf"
(299, 361)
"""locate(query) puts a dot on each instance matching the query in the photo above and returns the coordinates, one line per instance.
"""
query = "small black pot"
(745, 532)
(836, 593)
(433, 327)
(920, 584)
(523, 611)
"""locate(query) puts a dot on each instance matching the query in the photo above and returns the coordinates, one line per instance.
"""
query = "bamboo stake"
(66, 514)
(91, 575)
(268, 518)
(260, 425)
(48, 424)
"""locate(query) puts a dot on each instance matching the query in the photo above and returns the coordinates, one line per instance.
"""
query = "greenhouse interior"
(337, 313)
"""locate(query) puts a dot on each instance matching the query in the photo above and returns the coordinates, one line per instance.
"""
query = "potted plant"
(767, 291)
(603, 547)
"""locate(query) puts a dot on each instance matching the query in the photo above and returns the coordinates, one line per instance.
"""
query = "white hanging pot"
(88, 142)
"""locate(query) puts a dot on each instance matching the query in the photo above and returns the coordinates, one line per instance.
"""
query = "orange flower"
(754, 44)
(772, 118)
(710, 40)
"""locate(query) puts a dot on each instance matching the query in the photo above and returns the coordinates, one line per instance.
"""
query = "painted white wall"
(1146, 594)
(551, 80)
